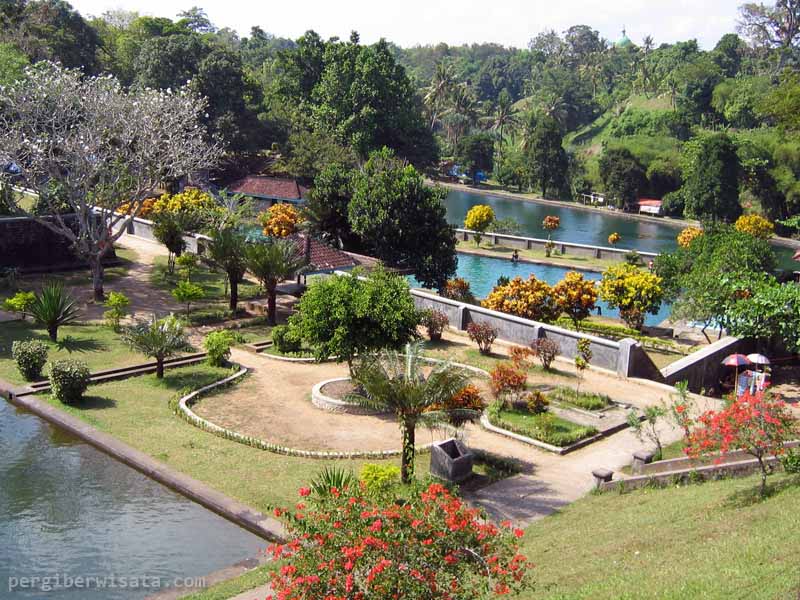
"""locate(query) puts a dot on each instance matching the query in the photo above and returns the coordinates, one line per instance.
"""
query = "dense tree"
(12, 63)
(169, 62)
(326, 209)
(475, 154)
(712, 179)
(772, 26)
(401, 220)
(545, 156)
(623, 176)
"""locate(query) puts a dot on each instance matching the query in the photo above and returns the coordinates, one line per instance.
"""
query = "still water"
(67, 509)
(581, 226)
(482, 273)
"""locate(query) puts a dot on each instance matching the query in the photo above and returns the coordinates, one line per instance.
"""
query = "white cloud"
(409, 22)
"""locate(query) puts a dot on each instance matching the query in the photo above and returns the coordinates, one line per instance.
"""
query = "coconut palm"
(272, 263)
(158, 339)
(395, 382)
(505, 115)
(439, 90)
(54, 307)
(461, 114)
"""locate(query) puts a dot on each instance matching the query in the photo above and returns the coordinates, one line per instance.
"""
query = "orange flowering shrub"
(756, 226)
(458, 289)
(551, 223)
(521, 356)
(482, 334)
(575, 296)
(280, 220)
(507, 378)
(348, 546)
(467, 399)
(687, 236)
(530, 299)
(147, 208)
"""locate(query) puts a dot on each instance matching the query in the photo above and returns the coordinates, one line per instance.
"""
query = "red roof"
(276, 188)
(649, 202)
(324, 257)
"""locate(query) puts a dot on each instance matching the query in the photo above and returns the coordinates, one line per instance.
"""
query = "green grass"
(584, 400)
(302, 353)
(564, 260)
(97, 345)
(546, 427)
(255, 333)
(238, 585)
(212, 281)
(714, 540)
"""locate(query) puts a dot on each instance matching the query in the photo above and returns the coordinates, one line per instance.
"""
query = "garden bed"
(545, 427)
(587, 401)
(332, 395)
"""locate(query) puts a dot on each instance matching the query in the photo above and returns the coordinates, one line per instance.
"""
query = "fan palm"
(158, 339)
(54, 307)
(395, 382)
(272, 263)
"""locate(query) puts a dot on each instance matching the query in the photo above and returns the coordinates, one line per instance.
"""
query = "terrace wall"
(527, 243)
(703, 369)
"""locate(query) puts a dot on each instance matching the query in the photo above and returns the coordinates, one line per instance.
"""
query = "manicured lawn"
(583, 400)
(137, 412)
(563, 260)
(545, 427)
(212, 282)
(713, 540)
(97, 345)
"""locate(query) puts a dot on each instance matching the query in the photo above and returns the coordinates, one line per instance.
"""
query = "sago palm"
(158, 339)
(272, 263)
(54, 307)
(395, 382)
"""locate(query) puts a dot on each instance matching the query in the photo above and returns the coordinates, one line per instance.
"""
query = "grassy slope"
(97, 345)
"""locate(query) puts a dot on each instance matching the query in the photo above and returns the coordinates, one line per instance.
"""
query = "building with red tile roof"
(270, 190)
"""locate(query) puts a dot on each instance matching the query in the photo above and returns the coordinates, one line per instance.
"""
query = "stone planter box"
(451, 460)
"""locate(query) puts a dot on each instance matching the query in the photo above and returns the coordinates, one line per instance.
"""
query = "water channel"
(67, 509)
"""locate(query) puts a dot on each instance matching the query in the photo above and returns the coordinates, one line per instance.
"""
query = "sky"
(412, 22)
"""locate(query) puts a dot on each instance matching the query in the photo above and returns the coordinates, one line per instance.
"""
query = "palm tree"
(53, 308)
(462, 113)
(505, 115)
(395, 382)
(227, 250)
(158, 339)
(439, 90)
(272, 263)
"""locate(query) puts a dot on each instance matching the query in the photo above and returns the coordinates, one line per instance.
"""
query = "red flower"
(304, 491)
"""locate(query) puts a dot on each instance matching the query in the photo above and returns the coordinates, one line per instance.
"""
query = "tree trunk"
(160, 368)
(96, 265)
(234, 294)
(52, 331)
(407, 460)
(271, 310)
(763, 490)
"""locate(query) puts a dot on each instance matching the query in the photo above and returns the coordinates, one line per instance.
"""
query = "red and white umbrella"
(796, 255)
(737, 360)
(758, 359)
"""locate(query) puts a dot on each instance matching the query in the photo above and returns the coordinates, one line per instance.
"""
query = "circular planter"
(331, 404)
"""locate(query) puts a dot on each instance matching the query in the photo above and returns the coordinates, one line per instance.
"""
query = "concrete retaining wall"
(703, 368)
(607, 354)
(527, 243)
(144, 229)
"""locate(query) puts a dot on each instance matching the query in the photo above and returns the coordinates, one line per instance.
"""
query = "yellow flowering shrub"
(633, 291)
(688, 235)
(190, 200)
(280, 220)
(529, 299)
(478, 219)
(575, 296)
(755, 225)
(614, 238)
(144, 212)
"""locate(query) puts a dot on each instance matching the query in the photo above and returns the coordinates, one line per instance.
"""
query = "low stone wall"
(703, 369)
(144, 229)
(569, 248)
(606, 354)
(331, 404)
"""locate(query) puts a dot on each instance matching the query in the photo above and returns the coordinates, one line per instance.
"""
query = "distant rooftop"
(269, 188)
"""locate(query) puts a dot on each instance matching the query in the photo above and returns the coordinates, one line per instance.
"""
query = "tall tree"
(227, 250)
(402, 220)
(89, 144)
(439, 91)
(546, 157)
(712, 179)
(475, 153)
(623, 176)
(773, 26)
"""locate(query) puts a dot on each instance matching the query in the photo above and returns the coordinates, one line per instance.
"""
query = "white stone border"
(331, 404)
(184, 408)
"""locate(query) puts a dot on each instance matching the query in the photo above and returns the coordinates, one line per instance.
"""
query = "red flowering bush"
(348, 547)
(507, 378)
(482, 334)
(756, 424)
(458, 289)
(466, 405)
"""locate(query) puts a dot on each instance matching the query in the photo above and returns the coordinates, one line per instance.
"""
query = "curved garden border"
(334, 405)
(184, 411)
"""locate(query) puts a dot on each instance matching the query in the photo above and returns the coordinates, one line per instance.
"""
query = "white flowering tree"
(90, 146)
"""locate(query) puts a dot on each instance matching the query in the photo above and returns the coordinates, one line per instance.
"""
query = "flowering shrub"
(482, 334)
(575, 296)
(507, 379)
(756, 424)
(551, 223)
(432, 547)
(146, 210)
(755, 225)
(536, 402)
(688, 235)
(614, 238)
(379, 479)
(458, 289)
(546, 351)
(466, 405)
(435, 322)
(520, 356)
(280, 220)
(530, 299)
(583, 357)
(633, 291)
(478, 219)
